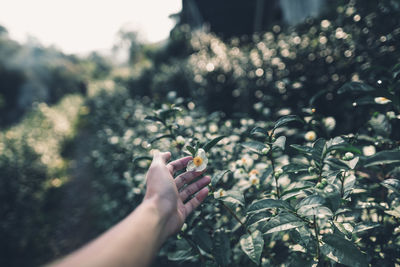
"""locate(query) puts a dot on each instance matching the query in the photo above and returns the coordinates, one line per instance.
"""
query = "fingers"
(186, 178)
(178, 164)
(194, 187)
(196, 201)
(162, 157)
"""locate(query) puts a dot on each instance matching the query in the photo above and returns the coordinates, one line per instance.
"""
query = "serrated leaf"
(282, 222)
(349, 183)
(218, 176)
(393, 184)
(221, 248)
(311, 201)
(383, 157)
(302, 149)
(343, 251)
(233, 198)
(161, 137)
(279, 143)
(254, 146)
(212, 143)
(258, 217)
(267, 203)
(285, 120)
(355, 87)
(191, 150)
(253, 245)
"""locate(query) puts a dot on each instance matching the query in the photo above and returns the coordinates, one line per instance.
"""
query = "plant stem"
(235, 216)
(316, 237)
(231, 212)
(278, 193)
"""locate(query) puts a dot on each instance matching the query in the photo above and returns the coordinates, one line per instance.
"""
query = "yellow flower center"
(197, 161)
(221, 193)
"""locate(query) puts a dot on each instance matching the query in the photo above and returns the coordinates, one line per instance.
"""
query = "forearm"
(132, 242)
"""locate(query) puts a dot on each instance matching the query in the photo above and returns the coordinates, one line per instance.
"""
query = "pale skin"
(136, 239)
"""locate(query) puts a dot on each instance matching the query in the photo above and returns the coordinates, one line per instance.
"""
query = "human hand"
(170, 194)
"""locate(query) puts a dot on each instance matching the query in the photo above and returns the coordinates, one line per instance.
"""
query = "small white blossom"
(310, 136)
(239, 174)
(220, 193)
(369, 150)
(199, 162)
(329, 123)
(382, 100)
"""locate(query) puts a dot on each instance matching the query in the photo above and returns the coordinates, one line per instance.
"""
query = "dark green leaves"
(264, 204)
(282, 222)
(393, 184)
(212, 143)
(191, 150)
(285, 120)
(221, 248)
(383, 157)
(341, 250)
(355, 87)
(254, 146)
(218, 176)
(253, 245)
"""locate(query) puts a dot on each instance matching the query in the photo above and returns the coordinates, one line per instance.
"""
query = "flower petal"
(190, 166)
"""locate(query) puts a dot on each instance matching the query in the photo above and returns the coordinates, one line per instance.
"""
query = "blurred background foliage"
(71, 127)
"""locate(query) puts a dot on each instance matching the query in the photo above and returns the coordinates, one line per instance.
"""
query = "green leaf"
(258, 217)
(161, 137)
(343, 251)
(233, 198)
(343, 148)
(221, 248)
(383, 157)
(164, 114)
(393, 184)
(286, 119)
(218, 176)
(361, 227)
(183, 251)
(302, 149)
(191, 150)
(212, 143)
(259, 131)
(253, 245)
(311, 201)
(254, 146)
(267, 203)
(202, 239)
(318, 150)
(282, 222)
(154, 118)
(355, 87)
(279, 143)
(295, 168)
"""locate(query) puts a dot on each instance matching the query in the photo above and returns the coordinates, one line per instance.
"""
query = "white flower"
(348, 156)
(254, 180)
(329, 123)
(246, 161)
(382, 100)
(180, 140)
(239, 174)
(199, 162)
(391, 115)
(220, 193)
(369, 150)
(310, 136)
(265, 150)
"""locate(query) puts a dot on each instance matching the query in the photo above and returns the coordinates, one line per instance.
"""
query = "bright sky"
(79, 26)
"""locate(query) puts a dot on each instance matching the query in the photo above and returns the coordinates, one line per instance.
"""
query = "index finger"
(178, 164)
